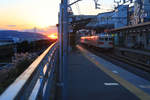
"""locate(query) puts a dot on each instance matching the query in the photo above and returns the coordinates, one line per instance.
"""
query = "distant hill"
(29, 36)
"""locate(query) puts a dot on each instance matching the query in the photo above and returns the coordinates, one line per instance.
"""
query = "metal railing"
(36, 81)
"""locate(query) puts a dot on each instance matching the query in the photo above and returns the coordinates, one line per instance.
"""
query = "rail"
(36, 81)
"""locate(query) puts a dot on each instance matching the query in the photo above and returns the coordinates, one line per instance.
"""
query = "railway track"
(139, 69)
(132, 62)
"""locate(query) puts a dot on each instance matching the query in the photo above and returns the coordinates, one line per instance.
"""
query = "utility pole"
(63, 47)
(63, 43)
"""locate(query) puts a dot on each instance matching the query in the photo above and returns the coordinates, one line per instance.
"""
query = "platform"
(93, 78)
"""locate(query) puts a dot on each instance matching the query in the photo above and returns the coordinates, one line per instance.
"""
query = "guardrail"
(36, 81)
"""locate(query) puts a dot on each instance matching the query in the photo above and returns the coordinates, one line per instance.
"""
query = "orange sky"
(25, 15)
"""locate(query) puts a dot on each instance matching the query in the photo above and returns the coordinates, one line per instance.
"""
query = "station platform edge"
(90, 80)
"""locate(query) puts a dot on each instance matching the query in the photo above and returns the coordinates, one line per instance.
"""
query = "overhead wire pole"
(65, 48)
(63, 43)
(60, 69)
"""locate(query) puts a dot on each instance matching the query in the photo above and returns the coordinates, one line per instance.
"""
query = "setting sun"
(53, 36)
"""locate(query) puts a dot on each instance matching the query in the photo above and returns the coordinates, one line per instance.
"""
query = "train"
(102, 41)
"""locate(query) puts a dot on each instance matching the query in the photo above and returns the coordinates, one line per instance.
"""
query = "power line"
(78, 8)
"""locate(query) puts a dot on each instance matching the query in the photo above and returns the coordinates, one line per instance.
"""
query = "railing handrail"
(15, 88)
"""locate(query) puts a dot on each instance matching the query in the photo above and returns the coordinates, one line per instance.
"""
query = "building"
(80, 21)
(131, 15)
(141, 11)
(102, 20)
(105, 20)
(113, 19)
(83, 17)
(6, 41)
(120, 16)
(145, 11)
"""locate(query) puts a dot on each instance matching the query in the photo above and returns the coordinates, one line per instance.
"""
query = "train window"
(106, 39)
(101, 38)
(110, 39)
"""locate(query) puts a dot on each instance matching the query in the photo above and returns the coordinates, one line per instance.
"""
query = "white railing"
(36, 81)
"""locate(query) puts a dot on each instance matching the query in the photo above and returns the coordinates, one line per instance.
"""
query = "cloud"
(11, 25)
(45, 31)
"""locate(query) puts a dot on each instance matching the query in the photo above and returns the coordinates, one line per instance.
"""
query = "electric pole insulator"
(97, 6)
(125, 1)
